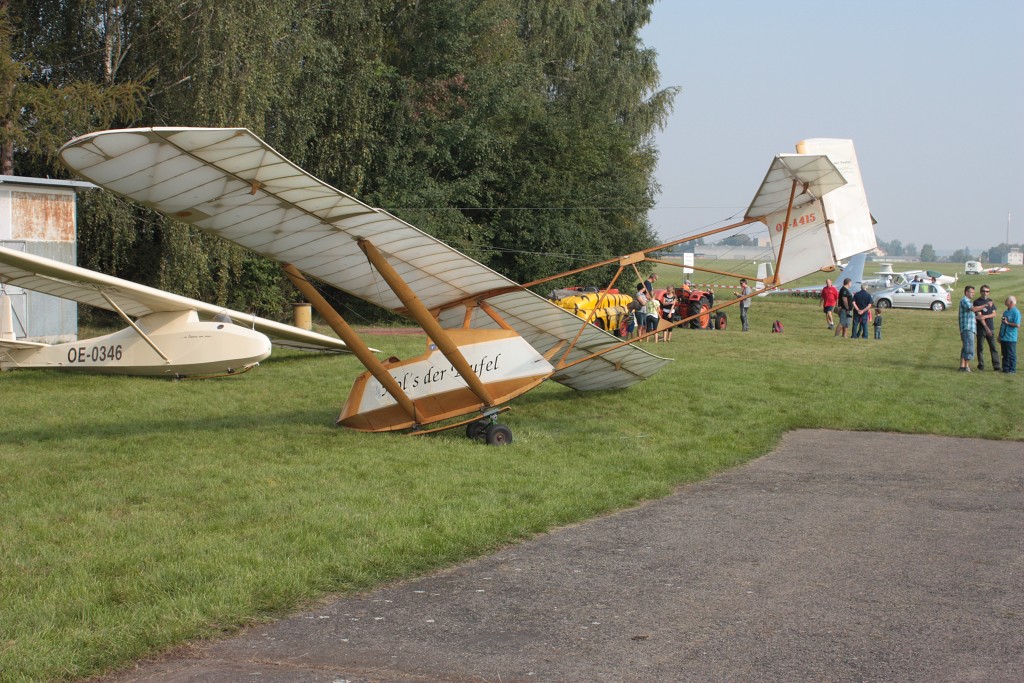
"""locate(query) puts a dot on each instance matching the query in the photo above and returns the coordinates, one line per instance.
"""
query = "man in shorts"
(968, 328)
(845, 308)
(829, 299)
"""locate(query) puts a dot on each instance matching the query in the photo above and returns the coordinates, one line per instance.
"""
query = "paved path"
(889, 558)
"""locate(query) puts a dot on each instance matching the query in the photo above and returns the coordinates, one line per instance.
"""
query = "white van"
(973, 268)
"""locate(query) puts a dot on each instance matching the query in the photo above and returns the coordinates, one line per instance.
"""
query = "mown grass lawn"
(136, 514)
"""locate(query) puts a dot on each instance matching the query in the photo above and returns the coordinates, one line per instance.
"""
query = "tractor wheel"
(721, 321)
(699, 308)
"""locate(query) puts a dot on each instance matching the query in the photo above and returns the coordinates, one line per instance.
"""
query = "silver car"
(914, 295)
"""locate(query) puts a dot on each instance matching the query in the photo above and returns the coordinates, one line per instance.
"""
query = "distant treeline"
(994, 254)
(519, 131)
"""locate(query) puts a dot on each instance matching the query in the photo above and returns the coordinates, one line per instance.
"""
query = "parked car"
(914, 295)
(973, 268)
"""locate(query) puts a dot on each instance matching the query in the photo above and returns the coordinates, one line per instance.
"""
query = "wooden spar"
(590, 316)
(351, 339)
(731, 302)
(676, 264)
(633, 258)
(429, 324)
(785, 230)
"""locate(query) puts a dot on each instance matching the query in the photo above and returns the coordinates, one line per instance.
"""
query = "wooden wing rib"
(230, 183)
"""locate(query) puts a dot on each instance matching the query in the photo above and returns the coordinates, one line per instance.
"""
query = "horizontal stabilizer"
(19, 345)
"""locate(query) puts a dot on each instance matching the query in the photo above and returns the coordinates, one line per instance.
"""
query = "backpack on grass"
(776, 327)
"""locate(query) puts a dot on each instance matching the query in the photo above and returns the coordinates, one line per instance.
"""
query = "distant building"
(1015, 257)
(38, 217)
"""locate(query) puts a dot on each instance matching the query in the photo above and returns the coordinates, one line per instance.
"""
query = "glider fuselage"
(179, 344)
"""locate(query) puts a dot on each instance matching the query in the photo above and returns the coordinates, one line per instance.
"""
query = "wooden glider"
(165, 335)
(490, 339)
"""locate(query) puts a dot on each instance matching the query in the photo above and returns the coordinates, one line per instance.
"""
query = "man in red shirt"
(829, 299)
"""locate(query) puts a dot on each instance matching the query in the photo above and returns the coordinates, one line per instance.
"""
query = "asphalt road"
(839, 557)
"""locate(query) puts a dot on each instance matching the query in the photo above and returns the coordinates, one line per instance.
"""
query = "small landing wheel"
(477, 429)
(498, 435)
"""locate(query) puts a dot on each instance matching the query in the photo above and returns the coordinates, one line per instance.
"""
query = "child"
(878, 322)
(1008, 335)
(653, 316)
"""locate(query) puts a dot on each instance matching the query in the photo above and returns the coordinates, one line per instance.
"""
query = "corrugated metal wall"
(40, 221)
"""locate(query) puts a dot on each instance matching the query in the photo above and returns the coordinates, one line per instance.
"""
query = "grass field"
(136, 514)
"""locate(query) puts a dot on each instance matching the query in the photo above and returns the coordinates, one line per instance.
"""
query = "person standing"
(985, 323)
(745, 291)
(829, 298)
(968, 328)
(1008, 335)
(668, 309)
(653, 310)
(878, 323)
(845, 308)
(649, 284)
(639, 309)
(861, 307)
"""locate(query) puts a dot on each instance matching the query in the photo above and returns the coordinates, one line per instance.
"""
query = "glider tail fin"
(855, 270)
(6, 319)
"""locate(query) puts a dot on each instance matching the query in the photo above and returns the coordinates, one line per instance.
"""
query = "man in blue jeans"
(861, 305)
(1008, 335)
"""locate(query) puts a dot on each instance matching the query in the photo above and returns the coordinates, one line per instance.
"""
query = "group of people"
(977, 330)
(649, 308)
(853, 308)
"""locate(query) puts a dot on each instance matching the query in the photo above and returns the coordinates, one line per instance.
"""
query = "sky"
(931, 93)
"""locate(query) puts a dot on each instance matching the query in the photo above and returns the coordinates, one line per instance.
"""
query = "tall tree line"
(519, 131)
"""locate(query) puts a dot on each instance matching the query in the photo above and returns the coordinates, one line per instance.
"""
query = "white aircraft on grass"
(166, 338)
(490, 339)
(887, 277)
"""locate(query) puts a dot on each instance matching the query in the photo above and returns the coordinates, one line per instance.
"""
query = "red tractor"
(696, 302)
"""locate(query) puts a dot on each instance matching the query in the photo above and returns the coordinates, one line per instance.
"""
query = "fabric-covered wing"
(808, 237)
(89, 287)
(230, 183)
(815, 172)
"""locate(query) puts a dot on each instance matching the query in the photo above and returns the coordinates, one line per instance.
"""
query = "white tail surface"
(850, 228)
(6, 319)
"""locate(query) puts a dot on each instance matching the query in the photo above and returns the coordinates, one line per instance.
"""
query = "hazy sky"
(932, 94)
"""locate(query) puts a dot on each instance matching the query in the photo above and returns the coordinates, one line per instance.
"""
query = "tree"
(738, 240)
(44, 104)
(518, 132)
(961, 255)
(927, 253)
(910, 249)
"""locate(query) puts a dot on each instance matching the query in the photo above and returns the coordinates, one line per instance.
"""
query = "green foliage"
(46, 97)
(517, 132)
(927, 252)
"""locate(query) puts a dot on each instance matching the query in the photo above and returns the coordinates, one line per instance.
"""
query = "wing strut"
(135, 327)
(428, 322)
(785, 231)
(351, 339)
